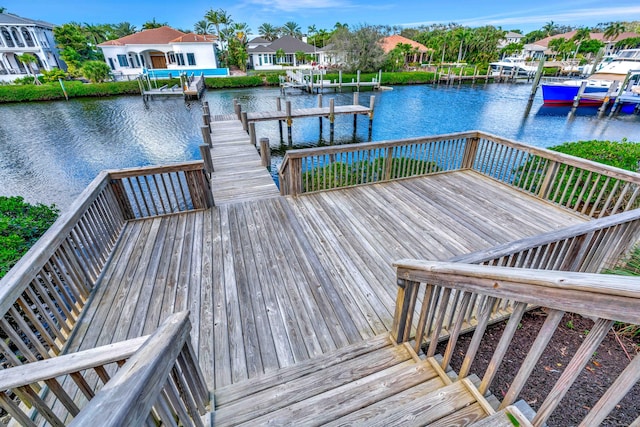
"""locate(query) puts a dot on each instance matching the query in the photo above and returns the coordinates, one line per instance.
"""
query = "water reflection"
(49, 152)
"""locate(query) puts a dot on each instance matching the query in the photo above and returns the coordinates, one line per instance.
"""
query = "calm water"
(50, 151)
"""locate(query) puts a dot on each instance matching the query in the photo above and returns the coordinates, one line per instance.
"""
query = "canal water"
(50, 151)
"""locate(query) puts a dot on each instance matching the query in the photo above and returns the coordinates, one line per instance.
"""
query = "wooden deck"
(238, 173)
(299, 113)
(276, 281)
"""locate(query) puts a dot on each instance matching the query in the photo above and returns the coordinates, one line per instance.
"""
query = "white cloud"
(297, 5)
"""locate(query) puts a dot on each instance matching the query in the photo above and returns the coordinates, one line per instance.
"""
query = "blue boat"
(564, 92)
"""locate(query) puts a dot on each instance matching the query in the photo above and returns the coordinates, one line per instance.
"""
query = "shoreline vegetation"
(78, 89)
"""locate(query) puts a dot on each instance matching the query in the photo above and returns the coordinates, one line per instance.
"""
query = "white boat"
(512, 66)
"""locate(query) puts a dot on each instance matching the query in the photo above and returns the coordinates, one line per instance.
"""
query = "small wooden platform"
(273, 282)
(238, 173)
(307, 112)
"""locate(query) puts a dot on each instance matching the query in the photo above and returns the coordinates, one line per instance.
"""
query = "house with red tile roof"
(420, 51)
(162, 48)
(537, 49)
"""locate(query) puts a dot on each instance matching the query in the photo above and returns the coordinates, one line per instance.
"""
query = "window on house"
(111, 64)
(180, 58)
(18, 40)
(172, 58)
(191, 59)
(123, 61)
(7, 38)
(27, 37)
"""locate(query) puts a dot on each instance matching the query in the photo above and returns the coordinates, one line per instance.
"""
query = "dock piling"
(356, 101)
(372, 102)
(332, 118)
(205, 153)
(265, 153)
(252, 133)
(617, 103)
(289, 122)
(206, 135)
(279, 108)
(320, 117)
(245, 124)
(607, 98)
(237, 108)
(576, 100)
(534, 87)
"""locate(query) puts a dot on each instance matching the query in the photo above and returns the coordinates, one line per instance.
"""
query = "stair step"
(510, 416)
(367, 367)
(341, 401)
(234, 392)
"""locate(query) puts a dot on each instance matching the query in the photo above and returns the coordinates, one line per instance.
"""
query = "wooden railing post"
(549, 178)
(123, 200)
(295, 176)
(470, 151)
(405, 307)
(388, 164)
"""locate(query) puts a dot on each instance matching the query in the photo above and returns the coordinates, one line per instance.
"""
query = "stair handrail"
(607, 298)
(121, 381)
(160, 383)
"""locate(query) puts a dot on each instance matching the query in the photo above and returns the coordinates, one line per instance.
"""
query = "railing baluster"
(474, 345)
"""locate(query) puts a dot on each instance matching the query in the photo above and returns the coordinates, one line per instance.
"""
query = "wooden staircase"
(376, 382)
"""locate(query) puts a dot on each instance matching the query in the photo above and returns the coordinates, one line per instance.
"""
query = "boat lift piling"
(617, 104)
(576, 100)
(534, 86)
(320, 118)
(279, 108)
(607, 98)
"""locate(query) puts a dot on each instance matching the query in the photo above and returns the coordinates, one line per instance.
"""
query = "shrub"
(21, 225)
(52, 76)
(96, 71)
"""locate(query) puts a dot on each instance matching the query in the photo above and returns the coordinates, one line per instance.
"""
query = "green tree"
(96, 34)
(512, 49)
(360, 48)
(280, 54)
(149, 25)
(21, 225)
(3, 9)
(202, 27)
(121, 30)
(614, 30)
(549, 29)
(291, 29)
(463, 36)
(53, 75)
(268, 31)
(28, 59)
(580, 36)
(96, 71)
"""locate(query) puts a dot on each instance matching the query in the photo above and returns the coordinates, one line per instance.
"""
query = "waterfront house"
(22, 35)
(419, 52)
(534, 50)
(510, 37)
(161, 48)
(263, 54)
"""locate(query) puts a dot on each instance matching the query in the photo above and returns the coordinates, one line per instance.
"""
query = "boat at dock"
(627, 62)
(512, 66)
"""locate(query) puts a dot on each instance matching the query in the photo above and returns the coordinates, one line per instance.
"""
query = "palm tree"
(28, 59)
(201, 27)
(614, 30)
(3, 9)
(581, 35)
(213, 18)
(122, 29)
(241, 31)
(149, 25)
(291, 29)
(549, 28)
(268, 31)
(95, 33)
(463, 35)
(280, 54)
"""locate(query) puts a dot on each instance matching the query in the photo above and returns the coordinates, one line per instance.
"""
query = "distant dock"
(190, 87)
(316, 83)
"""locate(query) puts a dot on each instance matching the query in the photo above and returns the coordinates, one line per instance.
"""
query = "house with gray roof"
(21, 35)
(263, 54)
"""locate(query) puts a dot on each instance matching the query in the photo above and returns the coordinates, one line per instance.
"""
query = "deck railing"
(603, 297)
(587, 188)
(42, 296)
(148, 380)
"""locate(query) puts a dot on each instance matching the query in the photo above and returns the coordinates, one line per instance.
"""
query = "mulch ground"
(604, 367)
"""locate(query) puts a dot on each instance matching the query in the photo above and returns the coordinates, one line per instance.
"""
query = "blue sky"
(526, 15)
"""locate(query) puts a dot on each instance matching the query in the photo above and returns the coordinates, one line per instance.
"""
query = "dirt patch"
(603, 368)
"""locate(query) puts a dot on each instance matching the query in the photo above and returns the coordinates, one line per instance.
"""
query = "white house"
(165, 49)
(263, 53)
(510, 37)
(21, 35)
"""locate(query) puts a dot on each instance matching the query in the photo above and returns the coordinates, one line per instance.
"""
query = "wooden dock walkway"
(273, 282)
(238, 174)
(299, 113)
